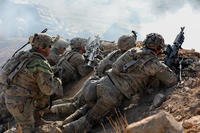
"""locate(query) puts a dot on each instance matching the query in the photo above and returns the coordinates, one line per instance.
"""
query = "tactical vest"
(67, 71)
(128, 72)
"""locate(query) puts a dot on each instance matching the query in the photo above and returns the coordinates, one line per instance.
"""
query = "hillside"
(181, 101)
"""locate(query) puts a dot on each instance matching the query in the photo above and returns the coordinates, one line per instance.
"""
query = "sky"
(108, 18)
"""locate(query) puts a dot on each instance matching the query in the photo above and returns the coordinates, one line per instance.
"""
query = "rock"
(186, 89)
(158, 100)
(192, 124)
(187, 125)
(162, 122)
(178, 117)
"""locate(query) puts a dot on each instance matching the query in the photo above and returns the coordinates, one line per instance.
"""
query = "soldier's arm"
(104, 64)
(78, 61)
(163, 73)
(45, 79)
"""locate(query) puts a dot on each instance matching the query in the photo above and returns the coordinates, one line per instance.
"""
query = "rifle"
(43, 31)
(172, 59)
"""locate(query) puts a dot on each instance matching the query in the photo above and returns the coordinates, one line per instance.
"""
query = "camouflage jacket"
(130, 79)
(35, 78)
(107, 62)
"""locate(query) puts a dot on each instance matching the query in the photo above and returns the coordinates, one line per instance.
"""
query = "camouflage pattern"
(55, 55)
(137, 76)
(118, 85)
(20, 95)
(125, 42)
(72, 66)
(87, 94)
(153, 41)
(78, 43)
(3, 110)
(41, 39)
(107, 62)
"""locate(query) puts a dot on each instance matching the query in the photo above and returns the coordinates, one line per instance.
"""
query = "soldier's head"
(60, 45)
(78, 44)
(155, 42)
(42, 43)
(126, 42)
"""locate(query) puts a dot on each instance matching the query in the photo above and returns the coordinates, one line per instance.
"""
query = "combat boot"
(65, 108)
(81, 125)
(76, 115)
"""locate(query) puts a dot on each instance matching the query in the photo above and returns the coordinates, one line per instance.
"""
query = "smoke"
(108, 18)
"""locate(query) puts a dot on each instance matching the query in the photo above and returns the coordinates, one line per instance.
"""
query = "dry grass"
(118, 124)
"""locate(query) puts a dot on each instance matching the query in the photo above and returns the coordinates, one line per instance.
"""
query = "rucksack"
(13, 66)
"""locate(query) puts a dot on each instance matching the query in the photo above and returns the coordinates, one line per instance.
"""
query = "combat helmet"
(126, 42)
(41, 39)
(60, 43)
(154, 41)
(78, 43)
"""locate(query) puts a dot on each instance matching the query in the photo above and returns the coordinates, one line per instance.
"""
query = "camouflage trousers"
(87, 95)
(21, 108)
(107, 98)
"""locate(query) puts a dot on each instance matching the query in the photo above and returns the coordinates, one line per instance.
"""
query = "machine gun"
(172, 59)
(93, 51)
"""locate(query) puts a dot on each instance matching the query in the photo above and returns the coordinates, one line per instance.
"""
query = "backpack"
(67, 70)
(13, 66)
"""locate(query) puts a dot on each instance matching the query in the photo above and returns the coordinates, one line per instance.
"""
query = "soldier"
(30, 79)
(57, 50)
(129, 75)
(124, 43)
(72, 65)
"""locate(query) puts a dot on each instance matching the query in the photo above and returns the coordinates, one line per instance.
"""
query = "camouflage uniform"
(31, 80)
(72, 65)
(125, 42)
(129, 75)
(3, 110)
(55, 55)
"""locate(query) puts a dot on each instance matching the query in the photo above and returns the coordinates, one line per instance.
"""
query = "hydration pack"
(13, 66)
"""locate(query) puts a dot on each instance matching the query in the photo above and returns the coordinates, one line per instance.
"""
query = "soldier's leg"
(86, 95)
(109, 97)
(22, 110)
(77, 114)
(68, 108)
